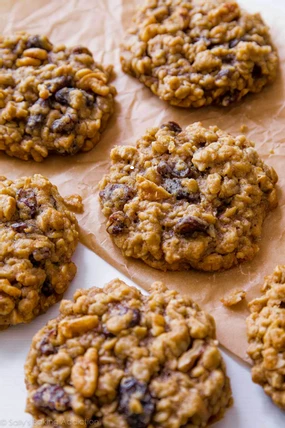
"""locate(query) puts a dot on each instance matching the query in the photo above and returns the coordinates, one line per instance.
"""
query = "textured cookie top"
(52, 98)
(266, 337)
(193, 53)
(38, 236)
(193, 198)
(121, 359)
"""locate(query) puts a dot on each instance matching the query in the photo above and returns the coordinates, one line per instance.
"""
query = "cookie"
(193, 53)
(122, 359)
(266, 337)
(188, 199)
(53, 99)
(38, 236)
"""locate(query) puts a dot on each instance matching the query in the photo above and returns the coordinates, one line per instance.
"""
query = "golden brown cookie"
(125, 360)
(38, 236)
(266, 337)
(53, 99)
(188, 199)
(193, 53)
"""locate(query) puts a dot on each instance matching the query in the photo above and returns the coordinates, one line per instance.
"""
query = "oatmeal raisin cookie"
(193, 53)
(194, 198)
(38, 236)
(116, 358)
(266, 337)
(53, 99)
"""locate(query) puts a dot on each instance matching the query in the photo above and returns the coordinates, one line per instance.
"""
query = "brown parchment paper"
(100, 25)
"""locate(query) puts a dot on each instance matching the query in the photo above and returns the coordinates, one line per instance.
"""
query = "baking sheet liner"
(100, 25)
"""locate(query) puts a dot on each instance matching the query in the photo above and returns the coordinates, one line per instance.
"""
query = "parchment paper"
(100, 25)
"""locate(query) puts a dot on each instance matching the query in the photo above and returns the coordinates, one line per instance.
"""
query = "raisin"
(257, 71)
(45, 104)
(177, 170)
(41, 42)
(52, 397)
(172, 126)
(72, 150)
(164, 169)
(223, 206)
(185, 172)
(35, 121)
(282, 305)
(93, 423)
(118, 194)
(233, 43)
(63, 95)
(40, 254)
(224, 73)
(229, 59)
(118, 223)
(28, 198)
(230, 97)
(193, 198)
(174, 187)
(47, 289)
(188, 225)
(136, 318)
(45, 347)
(58, 83)
(64, 124)
(203, 39)
(136, 315)
(34, 262)
(19, 227)
(89, 98)
(81, 50)
(130, 387)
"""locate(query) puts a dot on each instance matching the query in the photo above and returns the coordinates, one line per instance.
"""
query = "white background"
(252, 408)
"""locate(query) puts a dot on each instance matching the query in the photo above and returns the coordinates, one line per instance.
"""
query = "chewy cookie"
(266, 337)
(192, 53)
(38, 236)
(116, 358)
(194, 198)
(52, 98)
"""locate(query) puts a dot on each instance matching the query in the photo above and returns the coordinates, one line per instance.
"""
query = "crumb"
(243, 128)
(233, 298)
(74, 203)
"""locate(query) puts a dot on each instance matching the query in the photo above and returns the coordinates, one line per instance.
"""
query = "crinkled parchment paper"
(100, 24)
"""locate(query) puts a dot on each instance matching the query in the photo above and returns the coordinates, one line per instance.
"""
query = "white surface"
(252, 409)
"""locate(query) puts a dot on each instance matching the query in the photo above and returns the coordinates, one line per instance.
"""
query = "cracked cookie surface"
(194, 198)
(53, 99)
(38, 236)
(266, 337)
(200, 52)
(117, 358)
